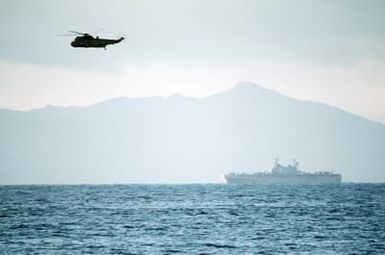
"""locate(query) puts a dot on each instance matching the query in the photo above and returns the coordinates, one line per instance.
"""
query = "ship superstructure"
(279, 174)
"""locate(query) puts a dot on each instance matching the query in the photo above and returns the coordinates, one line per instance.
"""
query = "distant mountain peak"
(246, 85)
(251, 87)
(249, 90)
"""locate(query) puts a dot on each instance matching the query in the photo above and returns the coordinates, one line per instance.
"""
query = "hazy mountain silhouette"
(182, 139)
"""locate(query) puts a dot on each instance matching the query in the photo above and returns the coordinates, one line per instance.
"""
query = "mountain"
(183, 140)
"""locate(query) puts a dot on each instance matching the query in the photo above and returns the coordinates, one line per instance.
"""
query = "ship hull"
(303, 179)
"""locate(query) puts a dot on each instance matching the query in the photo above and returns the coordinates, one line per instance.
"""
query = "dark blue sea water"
(192, 219)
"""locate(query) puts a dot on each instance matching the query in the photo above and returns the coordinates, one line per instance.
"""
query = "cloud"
(358, 88)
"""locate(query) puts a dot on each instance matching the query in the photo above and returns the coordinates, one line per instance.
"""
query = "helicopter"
(85, 40)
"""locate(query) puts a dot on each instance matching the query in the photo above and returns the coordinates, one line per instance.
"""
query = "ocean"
(192, 219)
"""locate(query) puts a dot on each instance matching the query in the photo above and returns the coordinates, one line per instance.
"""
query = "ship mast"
(295, 164)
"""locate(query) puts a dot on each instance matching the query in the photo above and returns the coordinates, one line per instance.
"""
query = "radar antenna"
(295, 163)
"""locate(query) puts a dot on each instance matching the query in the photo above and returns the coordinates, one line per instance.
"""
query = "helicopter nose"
(73, 44)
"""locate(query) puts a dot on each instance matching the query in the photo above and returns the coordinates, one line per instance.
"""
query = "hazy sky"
(326, 51)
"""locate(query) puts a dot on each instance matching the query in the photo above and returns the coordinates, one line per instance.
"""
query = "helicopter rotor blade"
(76, 32)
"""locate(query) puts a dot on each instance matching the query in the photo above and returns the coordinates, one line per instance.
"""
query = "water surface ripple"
(192, 219)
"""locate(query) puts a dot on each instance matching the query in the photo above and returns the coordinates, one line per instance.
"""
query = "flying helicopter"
(85, 40)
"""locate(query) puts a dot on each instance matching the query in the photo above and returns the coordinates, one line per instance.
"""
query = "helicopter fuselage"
(88, 41)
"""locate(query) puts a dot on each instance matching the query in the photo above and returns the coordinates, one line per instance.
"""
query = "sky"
(319, 50)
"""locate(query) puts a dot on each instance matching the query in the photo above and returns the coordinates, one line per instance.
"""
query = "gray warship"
(284, 175)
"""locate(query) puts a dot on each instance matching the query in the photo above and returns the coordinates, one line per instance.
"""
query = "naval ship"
(284, 175)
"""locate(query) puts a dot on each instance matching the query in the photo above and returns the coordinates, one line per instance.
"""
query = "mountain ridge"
(180, 139)
(244, 86)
